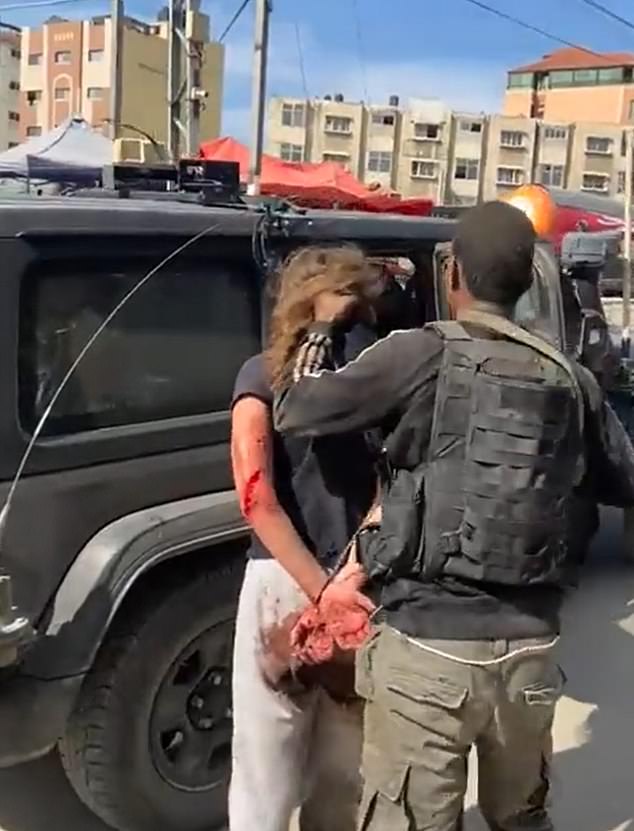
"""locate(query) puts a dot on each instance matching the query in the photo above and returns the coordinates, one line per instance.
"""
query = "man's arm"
(360, 395)
(610, 455)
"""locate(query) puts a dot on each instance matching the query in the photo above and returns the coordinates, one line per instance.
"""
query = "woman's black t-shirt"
(325, 485)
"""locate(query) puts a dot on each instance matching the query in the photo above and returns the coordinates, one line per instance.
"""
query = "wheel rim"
(191, 722)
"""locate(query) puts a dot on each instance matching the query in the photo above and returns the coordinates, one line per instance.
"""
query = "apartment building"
(573, 85)
(510, 154)
(380, 144)
(66, 70)
(9, 89)
(454, 158)
(422, 154)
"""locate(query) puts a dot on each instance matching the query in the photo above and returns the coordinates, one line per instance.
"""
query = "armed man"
(490, 430)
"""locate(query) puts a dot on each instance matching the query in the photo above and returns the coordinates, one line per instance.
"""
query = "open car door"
(539, 310)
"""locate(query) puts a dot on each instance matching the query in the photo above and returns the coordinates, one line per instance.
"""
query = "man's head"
(492, 257)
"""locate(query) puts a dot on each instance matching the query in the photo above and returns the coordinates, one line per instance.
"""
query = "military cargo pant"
(424, 713)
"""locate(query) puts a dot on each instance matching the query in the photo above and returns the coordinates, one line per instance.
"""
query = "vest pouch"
(395, 549)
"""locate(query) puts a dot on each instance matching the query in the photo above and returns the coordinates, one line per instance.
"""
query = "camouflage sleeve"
(609, 452)
(315, 352)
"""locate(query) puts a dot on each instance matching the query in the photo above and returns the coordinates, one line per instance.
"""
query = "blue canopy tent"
(72, 152)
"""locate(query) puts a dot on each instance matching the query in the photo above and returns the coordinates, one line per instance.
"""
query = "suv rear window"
(173, 350)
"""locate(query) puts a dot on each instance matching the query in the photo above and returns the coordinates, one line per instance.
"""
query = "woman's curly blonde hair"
(305, 274)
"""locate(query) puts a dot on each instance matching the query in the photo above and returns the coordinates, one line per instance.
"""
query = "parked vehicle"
(124, 544)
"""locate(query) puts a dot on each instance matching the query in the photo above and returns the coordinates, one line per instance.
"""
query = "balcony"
(420, 169)
(599, 146)
(596, 183)
(513, 140)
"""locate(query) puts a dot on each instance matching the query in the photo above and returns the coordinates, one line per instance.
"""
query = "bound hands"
(340, 618)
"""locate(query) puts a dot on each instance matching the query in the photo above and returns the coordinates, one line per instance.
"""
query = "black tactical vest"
(504, 455)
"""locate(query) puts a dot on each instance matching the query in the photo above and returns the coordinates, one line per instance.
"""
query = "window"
(620, 185)
(423, 170)
(291, 152)
(95, 55)
(14, 85)
(14, 116)
(427, 131)
(585, 77)
(520, 79)
(555, 133)
(15, 53)
(467, 169)
(62, 57)
(152, 362)
(338, 124)
(338, 158)
(597, 182)
(512, 138)
(379, 161)
(598, 145)
(631, 111)
(510, 176)
(95, 93)
(384, 119)
(293, 115)
(62, 93)
(561, 78)
(35, 59)
(33, 131)
(551, 174)
(614, 75)
(33, 95)
(470, 126)
(12, 144)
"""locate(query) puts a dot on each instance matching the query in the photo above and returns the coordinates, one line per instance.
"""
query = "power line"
(234, 19)
(531, 27)
(14, 7)
(300, 57)
(364, 72)
(609, 13)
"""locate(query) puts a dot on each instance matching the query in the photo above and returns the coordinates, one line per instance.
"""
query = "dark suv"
(124, 544)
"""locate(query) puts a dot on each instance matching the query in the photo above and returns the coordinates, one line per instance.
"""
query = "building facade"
(454, 158)
(573, 84)
(9, 89)
(66, 68)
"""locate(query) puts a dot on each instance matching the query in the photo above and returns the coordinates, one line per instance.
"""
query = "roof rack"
(191, 180)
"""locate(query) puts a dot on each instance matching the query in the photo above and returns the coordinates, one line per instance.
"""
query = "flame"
(537, 204)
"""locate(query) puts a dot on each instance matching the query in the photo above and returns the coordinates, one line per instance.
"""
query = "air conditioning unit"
(138, 150)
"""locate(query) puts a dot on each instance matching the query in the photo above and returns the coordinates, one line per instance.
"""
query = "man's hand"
(333, 307)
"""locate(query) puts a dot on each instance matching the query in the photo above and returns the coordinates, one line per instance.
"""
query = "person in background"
(304, 500)
(494, 429)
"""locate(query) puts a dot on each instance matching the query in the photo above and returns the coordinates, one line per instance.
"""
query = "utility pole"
(116, 49)
(188, 34)
(627, 242)
(263, 9)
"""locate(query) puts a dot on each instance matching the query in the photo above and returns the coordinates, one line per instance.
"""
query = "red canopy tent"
(324, 185)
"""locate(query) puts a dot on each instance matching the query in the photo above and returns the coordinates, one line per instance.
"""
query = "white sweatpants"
(287, 751)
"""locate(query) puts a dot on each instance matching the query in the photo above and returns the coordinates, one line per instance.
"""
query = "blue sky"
(444, 49)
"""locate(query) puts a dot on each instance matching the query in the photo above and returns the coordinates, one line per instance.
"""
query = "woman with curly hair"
(303, 499)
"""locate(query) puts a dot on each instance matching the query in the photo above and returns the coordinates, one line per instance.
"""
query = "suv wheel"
(149, 744)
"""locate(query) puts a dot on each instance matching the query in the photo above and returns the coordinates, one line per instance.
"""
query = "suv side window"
(172, 351)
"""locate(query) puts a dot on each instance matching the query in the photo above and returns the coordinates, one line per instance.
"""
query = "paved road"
(594, 787)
